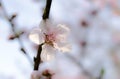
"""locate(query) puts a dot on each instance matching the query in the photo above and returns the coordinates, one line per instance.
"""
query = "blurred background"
(95, 37)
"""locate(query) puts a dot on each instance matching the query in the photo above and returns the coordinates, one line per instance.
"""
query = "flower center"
(49, 39)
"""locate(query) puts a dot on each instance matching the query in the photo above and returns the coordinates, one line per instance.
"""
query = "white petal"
(63, 46)
(48, 53)
(36, 36)
(61, 37)
(62, 29)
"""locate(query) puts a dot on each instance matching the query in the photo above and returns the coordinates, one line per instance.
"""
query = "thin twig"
(10, 20)
(79, 65)
(102, 72)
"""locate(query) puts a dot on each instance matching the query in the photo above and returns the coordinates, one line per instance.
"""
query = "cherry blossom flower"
(53, 37)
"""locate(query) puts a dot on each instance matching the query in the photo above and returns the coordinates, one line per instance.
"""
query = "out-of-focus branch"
(83, 69)
(85, 26)
(10, 20)
(75, 61)
(101, 74)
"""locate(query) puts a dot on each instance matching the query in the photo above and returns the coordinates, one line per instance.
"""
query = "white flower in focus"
(53, 37)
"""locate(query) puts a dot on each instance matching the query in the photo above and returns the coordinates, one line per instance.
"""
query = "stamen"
(49, 39)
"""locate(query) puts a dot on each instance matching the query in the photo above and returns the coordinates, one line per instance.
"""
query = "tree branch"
(47, 10)
(10, 20)
(45, 16)
(37, 59)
